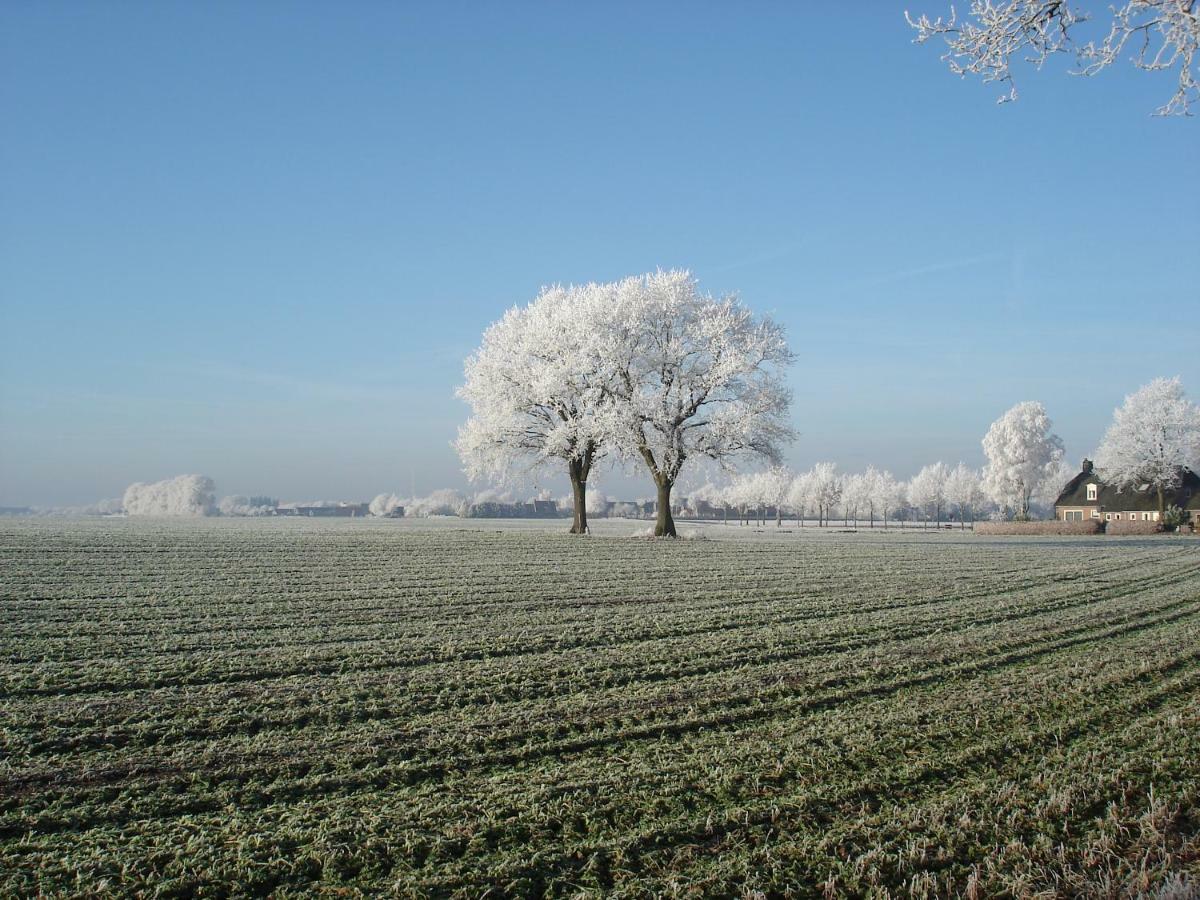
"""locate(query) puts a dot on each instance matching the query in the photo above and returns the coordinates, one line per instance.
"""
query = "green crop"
(240, 708)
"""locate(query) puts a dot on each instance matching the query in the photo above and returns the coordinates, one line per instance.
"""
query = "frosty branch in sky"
(1160, 35)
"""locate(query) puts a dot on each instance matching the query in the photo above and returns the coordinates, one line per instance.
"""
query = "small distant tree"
(1022, 452)
(1154, 435)
(801, 496)
(537, 386)
(964, 491)
(698, 377)
(776, 486)
(1161, 35)
(1176, 517)
(887, 494)
(855, 495)
(826, 485)
(927, 490)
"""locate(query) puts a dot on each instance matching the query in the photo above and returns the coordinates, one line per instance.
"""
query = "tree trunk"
(1162, 507)
(579, 523)
(726, 515)
(664, 526)
(779, 515)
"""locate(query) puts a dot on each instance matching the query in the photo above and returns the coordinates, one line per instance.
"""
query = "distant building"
(1086, 496)
(494, 509)
(326, 511)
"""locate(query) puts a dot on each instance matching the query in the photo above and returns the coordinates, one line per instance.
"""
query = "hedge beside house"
(1123, 526)
(1054, 526)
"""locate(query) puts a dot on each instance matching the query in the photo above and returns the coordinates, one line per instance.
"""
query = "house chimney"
(1087, 467)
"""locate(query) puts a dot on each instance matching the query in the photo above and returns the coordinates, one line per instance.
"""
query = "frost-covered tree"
(745, 495)
(699, 378)
(927, 490)
(855, 495)
(826, 486)
(887, 494)
(1022, 453)
(1160, 35)
(184, 495)
(775, 484)
(801, 497)
(963, 490)
(1154, 435)
(536, 387)
(1041, 503)
(877, 490)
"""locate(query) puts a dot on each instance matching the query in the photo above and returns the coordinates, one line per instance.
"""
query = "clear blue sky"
(257, 240)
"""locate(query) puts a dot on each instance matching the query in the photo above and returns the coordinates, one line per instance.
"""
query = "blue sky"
(257, 240)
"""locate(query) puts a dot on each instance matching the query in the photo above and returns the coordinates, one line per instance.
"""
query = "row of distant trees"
(1153, 438)
(825, 493)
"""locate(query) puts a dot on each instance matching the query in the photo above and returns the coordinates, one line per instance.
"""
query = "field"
(300, 707)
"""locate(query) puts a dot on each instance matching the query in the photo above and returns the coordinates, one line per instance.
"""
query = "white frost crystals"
(184, 495)
(1159, 35)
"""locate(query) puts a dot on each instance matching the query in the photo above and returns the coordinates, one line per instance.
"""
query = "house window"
(1108, 517)
(1095, 514)
(1145, 517)
(1091, 492)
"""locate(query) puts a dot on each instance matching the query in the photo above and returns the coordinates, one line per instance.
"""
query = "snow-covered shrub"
(385, 505)
(443, 502)
(239, 505)
(184, 495)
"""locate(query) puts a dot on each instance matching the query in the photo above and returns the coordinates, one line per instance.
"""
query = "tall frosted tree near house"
(1022, 453)
(537, 386)
(700, 377)
(1154, 434)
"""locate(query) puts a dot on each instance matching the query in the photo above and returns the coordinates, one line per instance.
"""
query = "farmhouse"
(1087, 497)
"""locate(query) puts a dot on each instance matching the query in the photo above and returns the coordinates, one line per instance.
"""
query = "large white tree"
(1154, 435)
(1022, 452)
(700, 377)
(1160, 35)
(536, 387)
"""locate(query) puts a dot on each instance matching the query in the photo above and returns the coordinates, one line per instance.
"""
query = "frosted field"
(448, 708)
